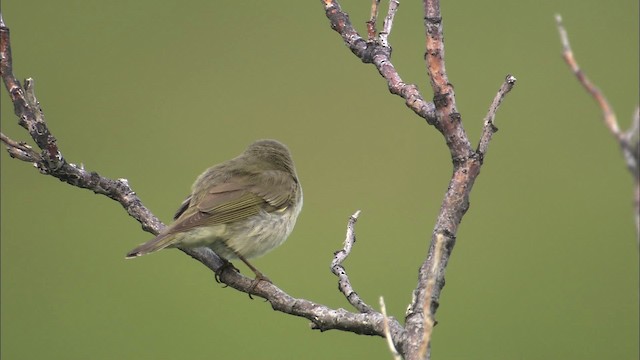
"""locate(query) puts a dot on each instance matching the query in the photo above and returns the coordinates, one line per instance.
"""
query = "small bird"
(241, 208)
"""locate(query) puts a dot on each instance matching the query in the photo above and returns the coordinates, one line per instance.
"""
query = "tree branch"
(51, 162)
(489, 124)
(388, 23)
(371, 24)
(628, 141)
(387, 332)
(413, 342)
(374, 52)
(443, 115)
(20, 150)
(344, 284)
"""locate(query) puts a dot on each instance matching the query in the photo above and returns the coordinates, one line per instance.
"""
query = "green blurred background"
(546, 262)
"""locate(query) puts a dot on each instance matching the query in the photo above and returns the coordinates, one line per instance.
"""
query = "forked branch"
(442, 113)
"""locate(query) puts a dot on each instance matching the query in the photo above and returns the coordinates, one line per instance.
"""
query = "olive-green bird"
(241, 208)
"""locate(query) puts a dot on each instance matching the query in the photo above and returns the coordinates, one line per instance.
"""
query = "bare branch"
(27, 107)
(628, 141)
(344, 284)
(20, 150)
(420, 317)
(371, 24)
(51, 162)
(448, 117)
(444, 116)
(412, 342)
(429, 320)
(489, 125)
(387, 332)
(631, 155)
(388, 22)
(380, 56)
(633, 134)
(609, 116)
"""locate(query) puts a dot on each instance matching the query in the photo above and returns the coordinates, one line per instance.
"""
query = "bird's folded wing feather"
(234, 201)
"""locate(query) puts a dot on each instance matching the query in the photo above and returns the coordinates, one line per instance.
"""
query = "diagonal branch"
(387, 332)
(628, 141)
(51, 162)
(489, 124)
(20, 150)
(380, 56)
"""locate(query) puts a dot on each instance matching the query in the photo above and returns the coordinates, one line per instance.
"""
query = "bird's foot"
(259, 277)
(223, 268)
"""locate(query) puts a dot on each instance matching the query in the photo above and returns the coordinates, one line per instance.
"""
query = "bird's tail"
(158, 243)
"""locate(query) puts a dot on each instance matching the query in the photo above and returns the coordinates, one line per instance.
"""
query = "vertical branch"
(444, 97)
(430, 289)
(371, 24)
(387, 331)
(388, 22)
(414, 342)
(27, 107)
(420, 318)
(632, 156)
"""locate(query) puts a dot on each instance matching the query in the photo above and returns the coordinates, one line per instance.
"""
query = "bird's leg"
(259, 276)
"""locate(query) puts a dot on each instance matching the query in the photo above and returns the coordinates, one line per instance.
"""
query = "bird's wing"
(183, 207)
(276, 188)
(236, 200)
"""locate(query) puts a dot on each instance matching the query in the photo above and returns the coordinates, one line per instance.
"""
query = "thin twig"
(608, 115)
(20, 150)
(371, 24)
(388, 22)
(387, 333)
(489, 124)
(628, 141)
(344, 284)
